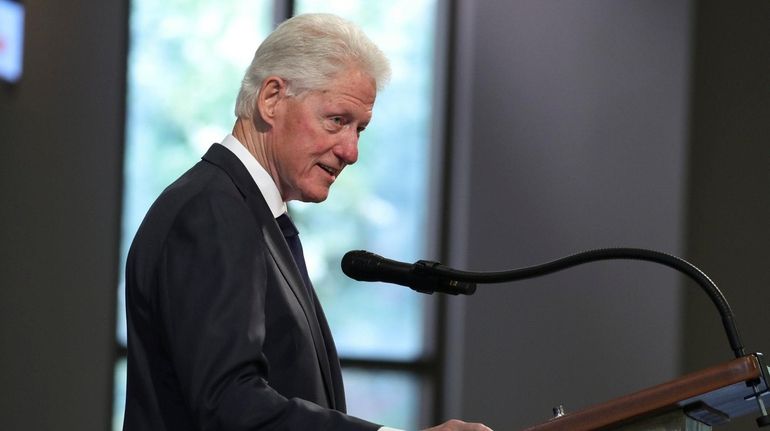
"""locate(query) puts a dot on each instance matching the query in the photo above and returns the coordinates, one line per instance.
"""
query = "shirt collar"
(259, 174)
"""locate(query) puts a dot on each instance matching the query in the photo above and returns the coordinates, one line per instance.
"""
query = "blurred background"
(512, 133)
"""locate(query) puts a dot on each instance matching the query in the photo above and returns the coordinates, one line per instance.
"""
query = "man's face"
(316, 135)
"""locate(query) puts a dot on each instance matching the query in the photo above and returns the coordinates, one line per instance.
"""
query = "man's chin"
(315, 196)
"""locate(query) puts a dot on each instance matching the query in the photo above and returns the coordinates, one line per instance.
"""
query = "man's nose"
(347, 149)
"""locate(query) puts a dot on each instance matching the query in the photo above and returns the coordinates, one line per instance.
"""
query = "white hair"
(308, 51)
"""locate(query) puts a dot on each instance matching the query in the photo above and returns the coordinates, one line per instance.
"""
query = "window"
(186, 60)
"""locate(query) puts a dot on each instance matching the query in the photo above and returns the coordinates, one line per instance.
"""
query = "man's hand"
(457, 425)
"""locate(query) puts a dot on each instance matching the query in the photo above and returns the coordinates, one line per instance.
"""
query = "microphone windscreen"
(359, 264)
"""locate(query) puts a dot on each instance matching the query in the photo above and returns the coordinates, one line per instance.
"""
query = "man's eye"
(338, 121)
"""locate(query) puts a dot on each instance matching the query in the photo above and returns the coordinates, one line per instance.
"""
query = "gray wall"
(578, 125)
(605, 123)
(60, 149)
(576, 140)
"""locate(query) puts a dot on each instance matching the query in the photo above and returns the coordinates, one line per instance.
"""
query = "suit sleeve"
(212, 279)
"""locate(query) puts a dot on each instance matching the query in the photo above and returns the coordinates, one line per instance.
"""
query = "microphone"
(420, 276)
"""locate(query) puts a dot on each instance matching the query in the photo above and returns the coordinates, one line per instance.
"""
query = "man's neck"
(258, 173)
(247, 134)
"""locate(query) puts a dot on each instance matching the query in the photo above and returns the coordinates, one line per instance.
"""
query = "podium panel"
(676, 420)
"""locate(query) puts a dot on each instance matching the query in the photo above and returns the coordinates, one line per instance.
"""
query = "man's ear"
(272, 91)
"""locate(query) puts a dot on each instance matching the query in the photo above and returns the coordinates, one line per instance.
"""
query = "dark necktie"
(291, 234)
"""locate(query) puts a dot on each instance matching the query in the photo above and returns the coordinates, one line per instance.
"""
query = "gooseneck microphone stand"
(711, 289)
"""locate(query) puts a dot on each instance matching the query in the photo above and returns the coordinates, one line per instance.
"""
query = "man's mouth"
(330, 170)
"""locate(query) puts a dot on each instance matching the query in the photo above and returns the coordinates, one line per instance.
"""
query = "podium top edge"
(658, 398)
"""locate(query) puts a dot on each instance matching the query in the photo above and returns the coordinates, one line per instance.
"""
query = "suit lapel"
(276, 244)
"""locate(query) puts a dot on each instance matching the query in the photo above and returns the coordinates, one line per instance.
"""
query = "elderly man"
(225, 331)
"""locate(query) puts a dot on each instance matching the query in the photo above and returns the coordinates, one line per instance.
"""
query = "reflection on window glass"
(380, 203)
(385, 397)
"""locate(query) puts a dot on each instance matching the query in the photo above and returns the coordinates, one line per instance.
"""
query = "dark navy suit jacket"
(222, 333)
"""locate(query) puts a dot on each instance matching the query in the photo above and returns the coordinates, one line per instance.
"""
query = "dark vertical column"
(61, 134)
(728, 217)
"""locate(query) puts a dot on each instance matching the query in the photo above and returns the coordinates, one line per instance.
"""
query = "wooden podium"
(695, 402)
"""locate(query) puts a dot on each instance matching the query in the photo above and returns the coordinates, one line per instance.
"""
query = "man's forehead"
(356, 91)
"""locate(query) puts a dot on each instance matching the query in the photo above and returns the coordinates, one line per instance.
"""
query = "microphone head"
(365, 266)
(359, 264)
